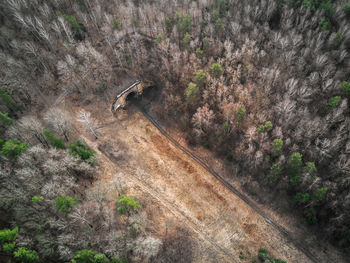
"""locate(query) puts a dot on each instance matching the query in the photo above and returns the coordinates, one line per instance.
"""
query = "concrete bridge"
(135, 89)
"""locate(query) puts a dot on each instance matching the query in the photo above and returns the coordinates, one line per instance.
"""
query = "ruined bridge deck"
(120, 100)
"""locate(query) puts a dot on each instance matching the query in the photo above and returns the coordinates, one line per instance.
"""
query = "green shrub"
(219, 25)
(206, 43)
(334, 102)
(100, 258)
(320, 193)
(263, 255)
(117, 25)
(310, 168)
(314, 5)
(37, 199)
(64, 204)
(13, 148)
(325, 24)
(346, 88)
(327, 7)
(81, 150)
(222, 5)
(199, 53)
(215, 15)
(127, 204)
(277, 146)
(127, 59)
(72, 20)
(177, 17)
(6, 100)
(265, 127)
(85, 256)
(275, 171)
(185, 24)
(302, 198)
(226, 127)
(7, 235)
(159, 38)
(53, 140)
(216, 70)
(200, 78)
(9, 247)
(294, 163)
(261, 128)
(240, 114)
(310, 215)
(268, 126)
(136, 21)
(192, 91)
(168, 25)
(5, 120)
(24, 255)
(346, 8)
(294, 180)
(186, 40)
(339, 38)
(117, 260)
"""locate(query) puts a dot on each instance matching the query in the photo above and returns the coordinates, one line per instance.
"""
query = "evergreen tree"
(24, 255)
(13, 148)
(127, 204)
(5, 120)
(80, 149)
(216, 70)
(53, 140)
(6, 100)
(64, 204)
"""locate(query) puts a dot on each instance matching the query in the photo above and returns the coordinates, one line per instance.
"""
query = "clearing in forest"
(176, 190)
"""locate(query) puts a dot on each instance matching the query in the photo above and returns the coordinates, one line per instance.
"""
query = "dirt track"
(172, 186)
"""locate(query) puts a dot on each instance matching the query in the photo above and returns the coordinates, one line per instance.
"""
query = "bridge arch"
(133, 90)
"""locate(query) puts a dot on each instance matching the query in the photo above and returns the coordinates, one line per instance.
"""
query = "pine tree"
(127, 204)
(6, 100)
(13, 148)
(53, 140)
(5, 120)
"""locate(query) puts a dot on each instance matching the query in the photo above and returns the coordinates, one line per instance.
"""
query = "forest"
(263, 85)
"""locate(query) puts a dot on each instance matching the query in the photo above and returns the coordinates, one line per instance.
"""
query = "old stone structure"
(136, 88)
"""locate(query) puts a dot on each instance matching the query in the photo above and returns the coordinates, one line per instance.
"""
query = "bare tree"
(147, 247)
(60, 122)
(89, 123)
(98, 195)
(27, 128)
(203, 120)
